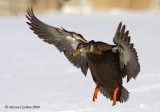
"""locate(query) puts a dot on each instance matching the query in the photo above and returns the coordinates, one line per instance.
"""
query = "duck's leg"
(115, 96)
(96, 92)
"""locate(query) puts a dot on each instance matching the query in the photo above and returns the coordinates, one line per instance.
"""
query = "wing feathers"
(122, 31)
(128, 55)
(64, 40)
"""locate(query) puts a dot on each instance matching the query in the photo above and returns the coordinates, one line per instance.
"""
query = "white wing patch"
(125, 56)
(72, 41)
(115, 49)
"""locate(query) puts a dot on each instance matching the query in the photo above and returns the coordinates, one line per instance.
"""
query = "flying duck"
(108, 64)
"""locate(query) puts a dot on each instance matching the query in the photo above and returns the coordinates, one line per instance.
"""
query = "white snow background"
(35, 73)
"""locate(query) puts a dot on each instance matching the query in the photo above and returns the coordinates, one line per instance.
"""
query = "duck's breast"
(105, 68)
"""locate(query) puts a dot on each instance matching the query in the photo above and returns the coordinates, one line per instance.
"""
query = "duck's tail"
(122, 94)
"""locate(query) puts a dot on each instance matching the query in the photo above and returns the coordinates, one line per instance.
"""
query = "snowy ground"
(35, 73)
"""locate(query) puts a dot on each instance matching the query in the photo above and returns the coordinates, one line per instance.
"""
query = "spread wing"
(128, 56)
(64, 40)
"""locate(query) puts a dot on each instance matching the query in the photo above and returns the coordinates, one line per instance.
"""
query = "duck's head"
(83, 48)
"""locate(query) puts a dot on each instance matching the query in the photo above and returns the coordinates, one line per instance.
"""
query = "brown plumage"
(108, 63)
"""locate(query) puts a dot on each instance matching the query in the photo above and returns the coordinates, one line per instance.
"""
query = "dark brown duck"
(108, 64)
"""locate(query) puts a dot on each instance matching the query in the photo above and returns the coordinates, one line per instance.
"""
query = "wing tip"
(120, 23)
(119, 27)
(30, 13)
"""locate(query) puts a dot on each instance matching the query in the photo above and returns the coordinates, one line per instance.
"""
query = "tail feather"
(105, 93)
(122, 95)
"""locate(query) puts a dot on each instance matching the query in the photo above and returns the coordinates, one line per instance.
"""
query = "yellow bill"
(77, 52)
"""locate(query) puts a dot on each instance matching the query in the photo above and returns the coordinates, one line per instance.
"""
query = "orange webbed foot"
(96, 93)
(115, 96)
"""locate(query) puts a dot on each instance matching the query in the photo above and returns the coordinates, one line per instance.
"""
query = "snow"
(35, 73)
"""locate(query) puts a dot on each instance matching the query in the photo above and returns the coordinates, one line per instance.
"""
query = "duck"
(108, 64)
